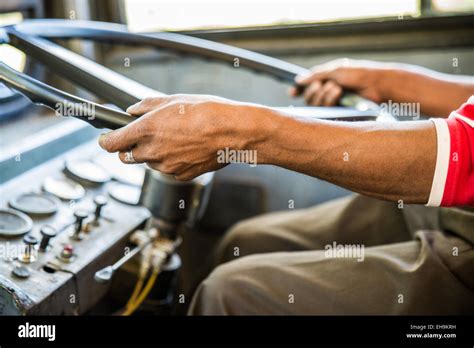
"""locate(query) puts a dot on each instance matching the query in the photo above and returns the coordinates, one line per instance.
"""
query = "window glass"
(453, 5)
(153, 15)
(10, 55)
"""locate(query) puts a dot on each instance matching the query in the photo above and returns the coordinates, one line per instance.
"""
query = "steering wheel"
(32, 36)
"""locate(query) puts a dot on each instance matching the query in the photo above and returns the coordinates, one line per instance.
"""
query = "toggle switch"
(47, 233)
(21, 271)
(100, 201)
(67, 254)
(29, 252)
(80, 215)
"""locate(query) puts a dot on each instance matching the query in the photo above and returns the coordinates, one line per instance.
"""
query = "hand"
(325, 85)
(182, 134)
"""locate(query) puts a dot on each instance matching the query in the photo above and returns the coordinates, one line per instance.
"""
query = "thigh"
(351, 219)
(415, 277)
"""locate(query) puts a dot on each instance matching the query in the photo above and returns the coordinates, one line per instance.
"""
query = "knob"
(99, 202)
(21, 271)
(80, 215)
(68, 251)
(28, 254)
(47, 232)
(67, 254)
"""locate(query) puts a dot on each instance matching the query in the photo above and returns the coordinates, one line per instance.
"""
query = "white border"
(469, 121)
(442, 162)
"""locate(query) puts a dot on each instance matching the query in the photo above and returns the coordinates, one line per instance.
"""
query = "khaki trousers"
(355, 255)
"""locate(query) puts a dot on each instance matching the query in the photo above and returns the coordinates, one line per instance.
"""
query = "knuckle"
(330, 84)
(307, 93)
(121, 157)
(142, 129)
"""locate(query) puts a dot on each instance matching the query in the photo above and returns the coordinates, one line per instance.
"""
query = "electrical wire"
(129, 310)
(136, 292)
(144, 268)
(154, 256)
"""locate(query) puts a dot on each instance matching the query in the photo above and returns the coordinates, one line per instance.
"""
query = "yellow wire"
(138, 286)
(146, 290)
(136, 291)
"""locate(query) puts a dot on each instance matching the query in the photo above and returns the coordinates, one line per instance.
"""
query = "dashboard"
(75, 220)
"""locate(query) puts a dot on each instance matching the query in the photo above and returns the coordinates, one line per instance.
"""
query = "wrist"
(387, 83)
(265, 125)
(285, 141)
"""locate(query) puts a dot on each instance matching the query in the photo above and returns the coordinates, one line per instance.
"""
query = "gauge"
(125, 173)
(86, 172)
(35, 203)
(63, 188)
(124, 193)
(14, 223)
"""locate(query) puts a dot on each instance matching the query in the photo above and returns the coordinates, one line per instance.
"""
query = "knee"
(216, 294)
(244, 238)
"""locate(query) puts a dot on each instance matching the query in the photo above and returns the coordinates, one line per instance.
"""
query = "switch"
(99, 202)
(67, 254)
(21, 271)
(47, 232)
(29, 252)
(80, 215)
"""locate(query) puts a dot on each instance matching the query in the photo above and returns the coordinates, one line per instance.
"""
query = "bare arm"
(393, 161)
(437, 93)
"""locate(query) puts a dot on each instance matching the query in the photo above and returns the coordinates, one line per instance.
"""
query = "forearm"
(391, 161)
(438, 94)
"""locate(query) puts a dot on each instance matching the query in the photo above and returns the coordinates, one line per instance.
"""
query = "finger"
(138, 154)
(146, 105)
(332, 97)
(297, 90)
(319, 95)
(124, 138)
(293, 91)
(321, 72)
(311, 90)
(128, 157)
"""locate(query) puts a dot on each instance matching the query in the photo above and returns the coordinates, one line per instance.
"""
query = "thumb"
(146, 105)
(320, 74)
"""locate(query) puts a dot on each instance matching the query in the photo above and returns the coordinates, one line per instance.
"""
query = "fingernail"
(102, 138)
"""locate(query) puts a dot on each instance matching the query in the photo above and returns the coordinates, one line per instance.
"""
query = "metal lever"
(29, 37)
(105, 274)
(41, 93)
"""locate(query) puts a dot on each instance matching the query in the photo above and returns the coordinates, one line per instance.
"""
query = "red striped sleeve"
(453, 182)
